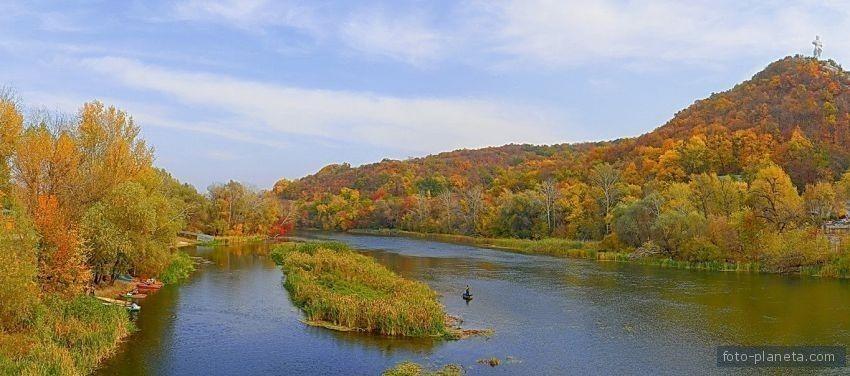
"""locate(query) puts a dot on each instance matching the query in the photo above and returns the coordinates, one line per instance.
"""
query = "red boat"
(147, 287)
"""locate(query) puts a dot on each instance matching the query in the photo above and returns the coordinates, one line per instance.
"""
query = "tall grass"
(335, 285)
(64, 337)
(590, 250)
(413, 369)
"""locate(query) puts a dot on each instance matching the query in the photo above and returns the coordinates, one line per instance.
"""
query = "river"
(550, 316)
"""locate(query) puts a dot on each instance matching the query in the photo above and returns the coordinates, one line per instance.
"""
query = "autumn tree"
(11, 126)
(774, 198)
(820, 202)
(18, 269)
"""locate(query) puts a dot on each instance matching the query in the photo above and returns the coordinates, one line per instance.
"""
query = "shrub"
(700, 249)
(179, 269)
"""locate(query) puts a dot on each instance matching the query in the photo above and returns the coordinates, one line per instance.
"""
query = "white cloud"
(404, 38)
(221, 155)
(147, 115)
(254, 15)
(570, 33)
(413, 124)
(549, 33)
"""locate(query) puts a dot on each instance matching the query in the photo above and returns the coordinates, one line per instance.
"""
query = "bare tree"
(550, 194)
(449, 207)
(473, 207)
(607, 178)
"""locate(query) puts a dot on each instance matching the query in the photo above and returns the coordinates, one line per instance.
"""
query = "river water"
(550, 316)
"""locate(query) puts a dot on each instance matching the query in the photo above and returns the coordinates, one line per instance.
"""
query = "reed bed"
(336, 286)
(66, 337)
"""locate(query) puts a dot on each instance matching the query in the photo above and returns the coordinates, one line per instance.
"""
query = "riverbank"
(65, 337)
(592, 250)
(71, 336)
(181, 242)
(343, 290)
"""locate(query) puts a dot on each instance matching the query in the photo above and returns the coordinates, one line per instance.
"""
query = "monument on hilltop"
(818, 46)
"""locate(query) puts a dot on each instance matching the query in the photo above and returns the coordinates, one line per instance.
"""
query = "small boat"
(114, 301)
(467, 297)
(149, 286)
(134, 296)
(125, 278)
(134, 307)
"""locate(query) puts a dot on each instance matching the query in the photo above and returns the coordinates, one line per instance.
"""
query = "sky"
(260, 90)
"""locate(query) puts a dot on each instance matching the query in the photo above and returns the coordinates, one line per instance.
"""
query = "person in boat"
(467, 293)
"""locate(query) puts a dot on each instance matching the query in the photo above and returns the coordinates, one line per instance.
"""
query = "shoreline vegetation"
(590, 250)
(65, 337)
(340, 289)
(181, 241)
(413, 369)
(83, 211)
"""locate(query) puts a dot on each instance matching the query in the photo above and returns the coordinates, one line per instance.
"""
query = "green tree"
(131, 229)
(520, 215)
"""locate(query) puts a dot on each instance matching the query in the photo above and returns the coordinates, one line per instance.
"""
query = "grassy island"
(413, 369)
(340, 289)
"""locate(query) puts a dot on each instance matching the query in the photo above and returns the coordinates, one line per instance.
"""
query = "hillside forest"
(753, 175)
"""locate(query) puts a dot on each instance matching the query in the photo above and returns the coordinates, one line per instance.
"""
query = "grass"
(566, 248)
(339, 288)
(550, 246)
(179, 269)
(413, 369)
(238, 239)
(64, 337)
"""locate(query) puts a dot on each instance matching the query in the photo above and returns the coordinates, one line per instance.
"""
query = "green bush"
(179, 269)
(700, 249)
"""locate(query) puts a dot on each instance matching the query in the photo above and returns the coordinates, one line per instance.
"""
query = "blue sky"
(259, 90)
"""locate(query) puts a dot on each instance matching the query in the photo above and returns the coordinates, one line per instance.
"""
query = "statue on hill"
(818, 46)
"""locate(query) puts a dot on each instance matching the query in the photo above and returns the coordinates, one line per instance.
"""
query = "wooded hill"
(765, 157)
(796, 113)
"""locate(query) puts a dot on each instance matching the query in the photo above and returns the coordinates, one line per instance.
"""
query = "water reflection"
(554, 316)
